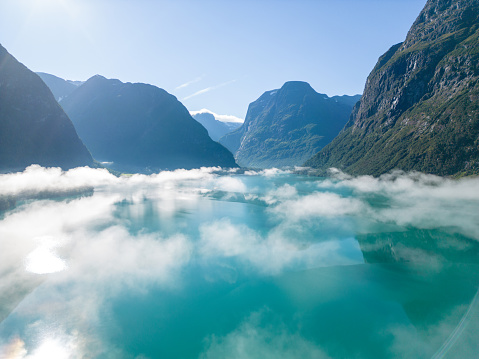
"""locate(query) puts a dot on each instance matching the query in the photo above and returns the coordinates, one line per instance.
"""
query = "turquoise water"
(206, 264)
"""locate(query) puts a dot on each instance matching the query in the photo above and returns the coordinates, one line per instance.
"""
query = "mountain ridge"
(140, 127)
(419, 110)
(216, 128)
(34, 129)
(59, 87)
(286, 126)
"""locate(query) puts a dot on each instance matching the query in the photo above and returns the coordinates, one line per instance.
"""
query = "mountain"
(140, 128)
(285, 127)
(347, 100)
(34, 129)
(420, 107)
(60, 88)
(216, 129)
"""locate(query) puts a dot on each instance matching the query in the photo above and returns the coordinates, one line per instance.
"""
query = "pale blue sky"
(219, 55)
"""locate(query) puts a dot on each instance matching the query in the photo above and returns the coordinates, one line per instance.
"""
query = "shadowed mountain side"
(60, 88)
(140, 128)
(420, 108)
(34, 129)
(216, 129)
(285, 127)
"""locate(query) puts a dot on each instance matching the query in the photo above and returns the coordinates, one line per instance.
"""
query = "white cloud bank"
(416, 199)
(270, 254)
(93, 251)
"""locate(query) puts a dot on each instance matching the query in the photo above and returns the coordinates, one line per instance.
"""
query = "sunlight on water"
(208, 264)
(51, 348)
(14, 350)
(43, 260)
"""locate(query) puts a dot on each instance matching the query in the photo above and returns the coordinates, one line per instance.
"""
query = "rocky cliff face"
(420, 108)
(33, 127)
(140, 128)
(285, 127)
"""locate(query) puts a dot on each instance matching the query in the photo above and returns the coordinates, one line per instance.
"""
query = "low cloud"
(270, 254)
(230, 184)
(96, 251)
(222, 118)
(283, 193)
(36, 179)
(268, 172)
(415, 199)
(321, 204)
(256, 339)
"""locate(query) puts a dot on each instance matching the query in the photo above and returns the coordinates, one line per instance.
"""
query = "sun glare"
(43, 260)
(50, 349)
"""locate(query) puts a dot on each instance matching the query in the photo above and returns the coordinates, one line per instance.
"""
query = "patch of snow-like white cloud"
(320, 204)
(283, 193)
(222, 118)
(267, 172)
(416, 199)
(268, 254)
(37, 179)
(230, 184)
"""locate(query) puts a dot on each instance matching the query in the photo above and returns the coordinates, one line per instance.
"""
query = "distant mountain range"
(34, 129)
(60, 88)
(419, 112)
(140, 128)
(285, 127)
(216, 128)
(420, 107)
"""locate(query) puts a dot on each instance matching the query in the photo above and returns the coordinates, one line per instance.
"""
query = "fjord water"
(214, 264)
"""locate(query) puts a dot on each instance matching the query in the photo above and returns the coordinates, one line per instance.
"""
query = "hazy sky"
(214, 54)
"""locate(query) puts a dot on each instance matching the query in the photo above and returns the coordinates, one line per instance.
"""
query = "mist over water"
(215, 264)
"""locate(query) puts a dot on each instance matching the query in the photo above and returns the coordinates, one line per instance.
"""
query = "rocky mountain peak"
(442, 17)
(420, 108)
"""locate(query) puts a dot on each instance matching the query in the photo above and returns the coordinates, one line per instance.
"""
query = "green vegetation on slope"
(420, 108)
(285, 127)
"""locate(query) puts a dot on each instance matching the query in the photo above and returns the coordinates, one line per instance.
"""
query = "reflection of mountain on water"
(433, 274)
(8, 202)
(418, 246)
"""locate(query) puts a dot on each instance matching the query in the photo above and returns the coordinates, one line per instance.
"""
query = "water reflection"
(260, 266)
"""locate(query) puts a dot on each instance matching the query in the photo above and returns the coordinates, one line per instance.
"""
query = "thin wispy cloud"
(208, 89)
(186, 84)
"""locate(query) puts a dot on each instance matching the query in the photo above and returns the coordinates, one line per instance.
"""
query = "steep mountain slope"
(285, 127)
(140, 127)
(420, 107)
(33, 127)
(60, 88)
(216, 129)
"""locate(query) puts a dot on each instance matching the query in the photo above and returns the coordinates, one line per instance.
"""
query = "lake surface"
(214, 264)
